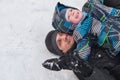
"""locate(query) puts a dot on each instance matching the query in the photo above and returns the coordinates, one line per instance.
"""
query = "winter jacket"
(101, 21)
(106, 30)
(97, 67)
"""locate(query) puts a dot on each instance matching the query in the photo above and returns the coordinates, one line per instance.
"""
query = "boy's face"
(74, 16)
(64, 41)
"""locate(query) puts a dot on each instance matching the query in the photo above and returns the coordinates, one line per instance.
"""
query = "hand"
(70, 62)
(80, 66)
(52, 64)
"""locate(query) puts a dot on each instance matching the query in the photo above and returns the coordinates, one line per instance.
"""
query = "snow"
(23, 27)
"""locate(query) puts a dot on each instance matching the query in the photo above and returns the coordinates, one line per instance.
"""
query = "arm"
(69, 62)
(112, 3)
(105, 10)
(109, 3)
(56, 64)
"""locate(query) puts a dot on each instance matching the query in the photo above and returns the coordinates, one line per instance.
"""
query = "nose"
(63, 37)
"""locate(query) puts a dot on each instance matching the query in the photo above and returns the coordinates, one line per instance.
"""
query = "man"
(64, 45)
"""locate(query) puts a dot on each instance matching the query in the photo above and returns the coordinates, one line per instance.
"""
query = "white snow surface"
(24, 25)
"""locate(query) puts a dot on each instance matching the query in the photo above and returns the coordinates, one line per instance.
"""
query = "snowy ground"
(23, 27)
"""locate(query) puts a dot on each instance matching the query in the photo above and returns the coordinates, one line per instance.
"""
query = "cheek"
(74, 20)
(63, 46)
(66, 48)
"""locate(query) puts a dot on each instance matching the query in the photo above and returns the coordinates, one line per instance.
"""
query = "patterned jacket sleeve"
(83, 48)
(110, 11)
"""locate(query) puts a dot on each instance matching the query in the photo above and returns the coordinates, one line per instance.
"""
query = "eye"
(68, 17)
(70, 10)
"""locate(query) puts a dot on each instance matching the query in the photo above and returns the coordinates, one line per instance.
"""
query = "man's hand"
(70, 61)
(56, 64)
(52, 64)
(78, 65)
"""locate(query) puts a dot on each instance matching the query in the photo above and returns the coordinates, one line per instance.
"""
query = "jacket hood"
(60, 23)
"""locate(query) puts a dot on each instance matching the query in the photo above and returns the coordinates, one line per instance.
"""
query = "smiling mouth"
(77, 15)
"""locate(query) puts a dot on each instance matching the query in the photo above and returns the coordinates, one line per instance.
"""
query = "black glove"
(55, 64)
(70, 62)
(79, 65)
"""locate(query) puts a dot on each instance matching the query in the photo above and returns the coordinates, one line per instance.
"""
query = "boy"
(102, 23)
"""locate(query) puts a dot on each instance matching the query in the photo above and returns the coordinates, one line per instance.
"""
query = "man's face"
(64, 41)
(74, 16)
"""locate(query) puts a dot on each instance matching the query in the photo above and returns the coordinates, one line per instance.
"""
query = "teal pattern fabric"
(105, 25)
(109, 20)
(82, 29)
(101, 21)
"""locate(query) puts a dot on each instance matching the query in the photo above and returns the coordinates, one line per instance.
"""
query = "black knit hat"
(50, 42)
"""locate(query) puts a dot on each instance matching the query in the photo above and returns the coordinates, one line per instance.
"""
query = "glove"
(79, 65)
(55, 64)
(70, 62)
